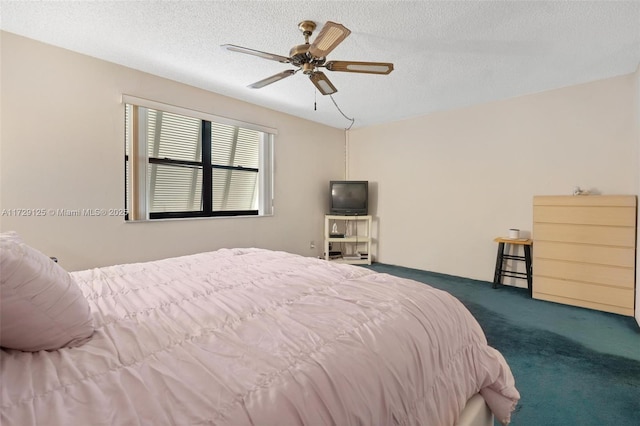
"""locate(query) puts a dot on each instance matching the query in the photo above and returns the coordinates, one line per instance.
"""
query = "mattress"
(257, 337)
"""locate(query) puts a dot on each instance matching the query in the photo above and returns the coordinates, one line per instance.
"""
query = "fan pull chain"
(315, 96)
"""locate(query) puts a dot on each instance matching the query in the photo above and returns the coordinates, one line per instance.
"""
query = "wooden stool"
(501, 272)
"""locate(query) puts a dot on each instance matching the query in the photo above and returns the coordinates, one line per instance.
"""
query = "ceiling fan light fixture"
(308, 68)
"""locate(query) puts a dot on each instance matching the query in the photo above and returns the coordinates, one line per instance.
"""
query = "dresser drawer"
(584, 234)
(586, 272)
(621, 297)
(602, 255)
(584, 215)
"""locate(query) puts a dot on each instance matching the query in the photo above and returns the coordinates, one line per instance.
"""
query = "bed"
(249, 337)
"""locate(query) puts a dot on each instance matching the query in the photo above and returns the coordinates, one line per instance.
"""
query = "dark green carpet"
(572, 366)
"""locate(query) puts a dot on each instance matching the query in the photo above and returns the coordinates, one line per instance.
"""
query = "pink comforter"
(256, 337)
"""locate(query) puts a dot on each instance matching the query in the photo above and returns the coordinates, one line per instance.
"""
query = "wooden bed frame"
(476, 413)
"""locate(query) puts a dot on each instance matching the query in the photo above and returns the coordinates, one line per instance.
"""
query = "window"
(181, 163)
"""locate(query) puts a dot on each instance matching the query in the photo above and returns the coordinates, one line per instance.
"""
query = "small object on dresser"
(579, 191)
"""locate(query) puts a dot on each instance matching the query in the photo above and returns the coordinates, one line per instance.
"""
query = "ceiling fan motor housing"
(300, 55)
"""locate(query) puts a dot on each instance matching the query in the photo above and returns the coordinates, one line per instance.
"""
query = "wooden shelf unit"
(584, 251)
(350, 244)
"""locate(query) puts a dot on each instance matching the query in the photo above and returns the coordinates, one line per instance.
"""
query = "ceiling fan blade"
(258, 53)
(323, 84)
(363, 67)
(329, 37)
(272, 79)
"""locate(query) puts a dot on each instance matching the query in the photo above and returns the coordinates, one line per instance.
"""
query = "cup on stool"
(514, 234)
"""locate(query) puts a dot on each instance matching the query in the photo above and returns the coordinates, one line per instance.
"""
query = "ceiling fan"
(310, 57)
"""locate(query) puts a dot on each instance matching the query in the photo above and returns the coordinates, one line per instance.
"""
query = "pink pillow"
(41, 306)
(11, 236)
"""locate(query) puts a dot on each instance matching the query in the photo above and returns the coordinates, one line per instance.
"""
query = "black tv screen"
(349, 197)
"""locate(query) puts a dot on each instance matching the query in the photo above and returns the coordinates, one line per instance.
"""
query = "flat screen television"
(349, 197)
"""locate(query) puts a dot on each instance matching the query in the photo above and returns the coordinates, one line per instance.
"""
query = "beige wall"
(636, 113)
(62, 148)
(443, 185)
(448, 183)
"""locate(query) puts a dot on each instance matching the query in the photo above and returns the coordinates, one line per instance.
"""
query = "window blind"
(175, 165)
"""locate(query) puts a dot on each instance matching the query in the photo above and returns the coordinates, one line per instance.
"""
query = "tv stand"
(355, 240)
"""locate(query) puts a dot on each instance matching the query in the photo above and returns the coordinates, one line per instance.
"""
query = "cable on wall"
(315, 108)
(343, 114)
(346, 154)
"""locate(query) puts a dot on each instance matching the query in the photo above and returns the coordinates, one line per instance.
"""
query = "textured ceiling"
(447, 54)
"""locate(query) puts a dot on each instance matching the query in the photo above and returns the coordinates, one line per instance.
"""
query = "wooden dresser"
(584, 251)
